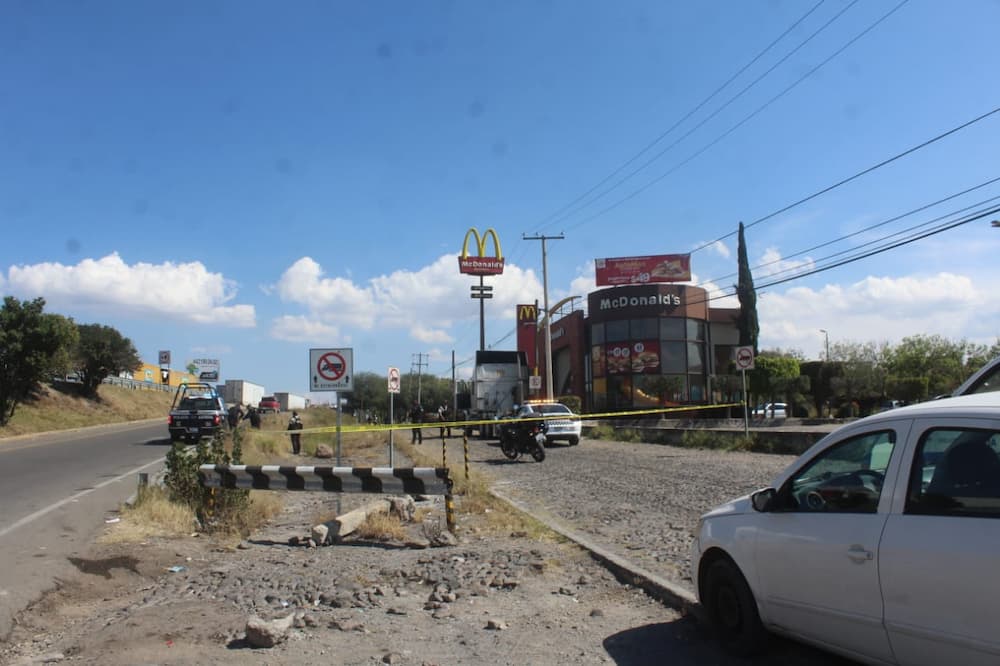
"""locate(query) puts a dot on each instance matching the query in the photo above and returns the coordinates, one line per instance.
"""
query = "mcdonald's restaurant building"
(638, 347)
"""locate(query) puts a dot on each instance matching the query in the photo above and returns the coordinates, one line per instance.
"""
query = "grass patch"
(56, 410)
(152, 515)
(381, 526)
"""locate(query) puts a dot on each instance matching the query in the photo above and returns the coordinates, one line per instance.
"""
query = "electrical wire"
(857, 175)
(866, 229)
(735, 127)
(649, 146)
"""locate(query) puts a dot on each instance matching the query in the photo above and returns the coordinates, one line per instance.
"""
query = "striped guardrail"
(394, 480)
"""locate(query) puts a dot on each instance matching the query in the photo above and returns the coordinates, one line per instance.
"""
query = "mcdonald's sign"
(480, 264)
(527, 313)
(527, 332)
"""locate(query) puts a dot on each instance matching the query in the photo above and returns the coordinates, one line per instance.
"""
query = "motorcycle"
(523, 436)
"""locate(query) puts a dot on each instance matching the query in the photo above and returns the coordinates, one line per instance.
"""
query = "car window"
(956, 472)
(846, 478)
(553, 409)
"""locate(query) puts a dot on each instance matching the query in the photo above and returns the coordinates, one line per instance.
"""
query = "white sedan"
(880, 543)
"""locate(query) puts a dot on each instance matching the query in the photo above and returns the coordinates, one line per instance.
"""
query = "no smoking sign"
(331, 369)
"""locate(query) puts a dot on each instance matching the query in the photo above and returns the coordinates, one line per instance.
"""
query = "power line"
(839, 183)
(870, 228)
(698, 107)
(946, 226)
(735, 127)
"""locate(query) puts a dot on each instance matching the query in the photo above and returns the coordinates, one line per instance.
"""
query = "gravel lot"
(490, 599)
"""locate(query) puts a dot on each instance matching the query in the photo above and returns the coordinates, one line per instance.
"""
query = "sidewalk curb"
(664, 591)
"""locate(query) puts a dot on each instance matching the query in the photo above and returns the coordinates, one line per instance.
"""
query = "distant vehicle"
(197, 411)
(269, 404)
(556, 429)
(879, 543)
(772, 410)
(889, 404)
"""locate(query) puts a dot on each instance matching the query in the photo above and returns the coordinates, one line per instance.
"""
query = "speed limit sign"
(744, 358)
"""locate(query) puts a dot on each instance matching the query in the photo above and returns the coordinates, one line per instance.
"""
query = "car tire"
(573, 441)
(732, 610)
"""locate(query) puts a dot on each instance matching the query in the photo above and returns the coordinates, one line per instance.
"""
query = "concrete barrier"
(400, 481)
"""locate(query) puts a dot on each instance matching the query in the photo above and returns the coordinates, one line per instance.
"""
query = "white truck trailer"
(240, 391)
(290, 401)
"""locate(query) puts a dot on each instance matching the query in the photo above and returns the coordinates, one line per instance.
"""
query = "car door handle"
(859, 554)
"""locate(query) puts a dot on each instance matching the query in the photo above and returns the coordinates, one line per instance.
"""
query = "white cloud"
(877, 309)
(771, 264)
(425, 302)
(718, 247)
(186, 292)
(429, 335)
(303, 329)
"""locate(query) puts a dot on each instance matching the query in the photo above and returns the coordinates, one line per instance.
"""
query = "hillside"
(58, 410)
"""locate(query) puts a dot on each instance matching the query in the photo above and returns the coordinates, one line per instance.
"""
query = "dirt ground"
(506, 599)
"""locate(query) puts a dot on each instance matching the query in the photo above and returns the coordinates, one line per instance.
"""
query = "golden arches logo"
(527, 314)
(480, 264)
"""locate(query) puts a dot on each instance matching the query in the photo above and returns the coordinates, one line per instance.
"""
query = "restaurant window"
(616, 331)
(696, 388)
(644, 329)
(695, 329)
(672, 357)
(600, 394)
(620, 392)
(597, 334)
(672, 328)
(695, 360)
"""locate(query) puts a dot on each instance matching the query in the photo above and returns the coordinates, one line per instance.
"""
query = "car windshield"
(552, 409)
(199, 403)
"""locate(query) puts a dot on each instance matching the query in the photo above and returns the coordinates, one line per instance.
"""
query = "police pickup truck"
(197, 411)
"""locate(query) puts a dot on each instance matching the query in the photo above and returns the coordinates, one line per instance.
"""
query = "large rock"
(324, 451)
(261, 633)
(403, 508)
(347, 523)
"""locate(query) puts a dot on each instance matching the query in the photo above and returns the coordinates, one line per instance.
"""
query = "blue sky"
(246, 180)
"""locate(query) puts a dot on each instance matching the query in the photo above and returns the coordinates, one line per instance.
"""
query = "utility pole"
(548, 319)
(420, 363)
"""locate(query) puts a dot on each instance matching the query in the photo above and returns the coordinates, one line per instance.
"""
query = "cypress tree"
(746, 321)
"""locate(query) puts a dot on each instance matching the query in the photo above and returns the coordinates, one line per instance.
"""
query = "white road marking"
(74, 498)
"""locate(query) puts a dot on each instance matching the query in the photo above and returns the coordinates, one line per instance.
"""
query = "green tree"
(863, 371)
(776, 375)
(941, 361)
(33, 346)
(103, 351)
(746, 322)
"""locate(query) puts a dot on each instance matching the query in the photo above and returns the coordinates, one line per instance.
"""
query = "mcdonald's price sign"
(480, 263)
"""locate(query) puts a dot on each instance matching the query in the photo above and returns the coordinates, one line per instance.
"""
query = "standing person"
(295, 423)
(234, 415)
(416, 416)
(443, 417)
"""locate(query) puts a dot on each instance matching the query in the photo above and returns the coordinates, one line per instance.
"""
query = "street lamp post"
(823, 331)
(548, 319)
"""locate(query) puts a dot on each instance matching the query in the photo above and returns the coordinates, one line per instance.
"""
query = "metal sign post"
(393, 386)
(744, 361)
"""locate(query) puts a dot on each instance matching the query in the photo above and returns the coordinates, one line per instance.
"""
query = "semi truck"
(242, 392)
(290, 401)
(499, 381)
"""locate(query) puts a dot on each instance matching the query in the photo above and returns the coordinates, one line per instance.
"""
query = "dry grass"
(380, 526)
(55, 410)
(153, 515)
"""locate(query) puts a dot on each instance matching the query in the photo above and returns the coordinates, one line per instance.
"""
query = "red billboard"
(640, 357)
(619, 271)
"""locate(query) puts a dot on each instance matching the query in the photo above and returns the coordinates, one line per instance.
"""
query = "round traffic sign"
(331, 366)
(744, 358)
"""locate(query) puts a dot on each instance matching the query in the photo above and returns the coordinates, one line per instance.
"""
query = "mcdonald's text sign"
(481, 263)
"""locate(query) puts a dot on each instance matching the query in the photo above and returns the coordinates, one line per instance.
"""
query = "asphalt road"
(56, 490)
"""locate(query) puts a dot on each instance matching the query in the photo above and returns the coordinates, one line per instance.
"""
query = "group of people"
(236, 415)
(417, 415)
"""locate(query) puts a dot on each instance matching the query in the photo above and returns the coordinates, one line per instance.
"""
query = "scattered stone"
(444, 538)
(263, 634)
(566, 591)
(324, 451)
(597, 612)
(395, 611)
(496, 625)
(320, 534)
(243, 545)
(403, 508)
(392, 658)
(346, 625)
(49, 658)
(293, 541)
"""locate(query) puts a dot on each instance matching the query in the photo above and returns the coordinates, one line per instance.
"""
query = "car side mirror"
(762, 500)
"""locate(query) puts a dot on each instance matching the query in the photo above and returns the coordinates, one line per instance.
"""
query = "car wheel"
(732, 610)
(573, 441)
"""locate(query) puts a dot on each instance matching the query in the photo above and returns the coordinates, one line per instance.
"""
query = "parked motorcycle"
(523, 436)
